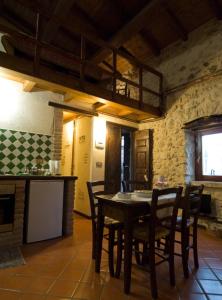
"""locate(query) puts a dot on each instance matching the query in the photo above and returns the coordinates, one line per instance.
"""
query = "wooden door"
(142, 158)
(113, 158)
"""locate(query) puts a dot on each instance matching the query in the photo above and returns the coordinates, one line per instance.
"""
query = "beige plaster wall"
(82, 162)
(26, 111)
(89, 160)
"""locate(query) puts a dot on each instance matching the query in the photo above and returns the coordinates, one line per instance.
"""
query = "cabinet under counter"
(21, 186)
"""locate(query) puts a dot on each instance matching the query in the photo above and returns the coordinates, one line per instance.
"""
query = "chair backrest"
(132, 185)
(164, 209)
(192, 201)
(95, 188)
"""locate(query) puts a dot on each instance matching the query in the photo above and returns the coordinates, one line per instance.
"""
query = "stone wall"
(201, 55)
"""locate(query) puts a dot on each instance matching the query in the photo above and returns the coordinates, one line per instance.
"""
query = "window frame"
(198, 154)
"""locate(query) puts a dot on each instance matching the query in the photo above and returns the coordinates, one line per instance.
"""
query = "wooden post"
(114, 72)
(140, 87)
(37, 45)
(82, 57)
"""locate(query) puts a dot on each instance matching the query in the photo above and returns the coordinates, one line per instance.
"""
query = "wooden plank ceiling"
(138, 29)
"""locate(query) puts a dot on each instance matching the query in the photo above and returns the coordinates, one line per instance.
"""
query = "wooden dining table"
(125, 211)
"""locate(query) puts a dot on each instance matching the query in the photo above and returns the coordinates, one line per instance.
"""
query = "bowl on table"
(143, 193)
(124, 195)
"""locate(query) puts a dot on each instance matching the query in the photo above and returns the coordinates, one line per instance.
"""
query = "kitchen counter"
(20, 187)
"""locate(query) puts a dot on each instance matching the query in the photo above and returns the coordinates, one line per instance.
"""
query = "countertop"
(37, 177)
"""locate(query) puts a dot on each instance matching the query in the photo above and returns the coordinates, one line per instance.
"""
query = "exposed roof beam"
(119, 5)
(28, 85)
(62, 8)
(135, 25)
(72, 109)
(16, 20)
(217, 8)
(98, 106)
(78, 28)
(124, 113)
(151, 41)
(131, 58)
(68, 97)
(178, 26)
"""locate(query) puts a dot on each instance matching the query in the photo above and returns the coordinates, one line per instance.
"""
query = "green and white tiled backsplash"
(19, 150)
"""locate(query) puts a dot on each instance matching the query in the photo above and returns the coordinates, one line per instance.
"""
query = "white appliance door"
(45, 210)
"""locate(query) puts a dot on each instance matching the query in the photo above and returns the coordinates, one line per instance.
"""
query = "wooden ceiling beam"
(28, 86)
(151, 41)
(131, 28)
(16, 21)
(68, 97)
(178, 26)
(72, 108)
(138, 22)
(217, 8)
(131, 58)
(98, 106)
(123, 113)
(80, 29)
(62, 8)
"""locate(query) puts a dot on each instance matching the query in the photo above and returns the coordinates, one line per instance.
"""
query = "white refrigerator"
(45, 210)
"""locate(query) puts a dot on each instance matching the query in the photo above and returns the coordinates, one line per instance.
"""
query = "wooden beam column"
(37, 46)
(114, 72)
(140, 87)
(82, 57)
(217, 8)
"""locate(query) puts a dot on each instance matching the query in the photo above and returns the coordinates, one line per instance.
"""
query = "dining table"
(126, 208)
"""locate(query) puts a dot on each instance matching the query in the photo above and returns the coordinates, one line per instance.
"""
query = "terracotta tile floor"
(62, 269)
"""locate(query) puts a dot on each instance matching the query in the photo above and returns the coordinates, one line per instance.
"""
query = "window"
(209, 154)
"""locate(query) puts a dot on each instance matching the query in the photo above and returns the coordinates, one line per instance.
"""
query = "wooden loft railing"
(87, 68)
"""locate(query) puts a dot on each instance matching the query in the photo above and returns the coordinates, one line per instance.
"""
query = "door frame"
(131, 130)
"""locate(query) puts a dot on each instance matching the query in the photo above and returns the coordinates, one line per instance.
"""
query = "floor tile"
(63, 267)
(211, 286)
(55, 298)
(214, 297)
(31, 297)
(214, 263)
(9, 295)
(194, 297)
(204, 273)
(218, 273)
(63, 288)
(15, 282)
(40, 285)
(88, 291)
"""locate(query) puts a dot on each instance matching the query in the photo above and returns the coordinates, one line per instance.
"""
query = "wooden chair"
(162, 212)
(114, 228)
(191, 204)
(132, 185)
